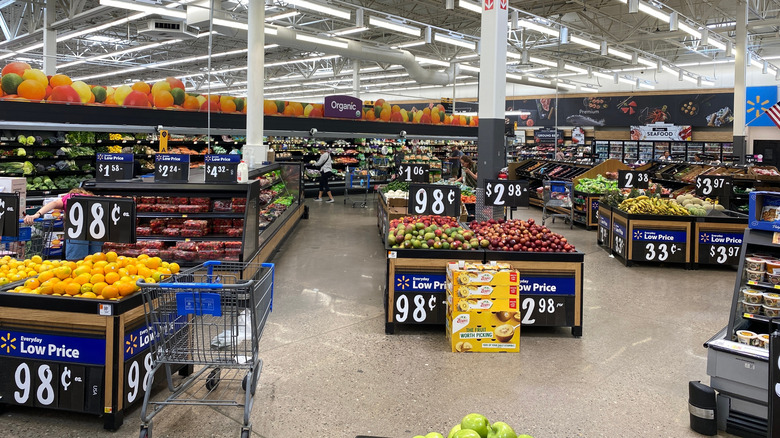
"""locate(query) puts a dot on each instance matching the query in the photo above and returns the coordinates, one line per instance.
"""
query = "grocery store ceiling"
(110, 42)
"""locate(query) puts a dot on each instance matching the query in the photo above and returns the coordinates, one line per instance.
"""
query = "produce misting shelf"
(413, 273)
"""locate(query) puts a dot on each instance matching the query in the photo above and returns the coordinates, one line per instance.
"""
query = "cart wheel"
(245, 434)
(212, 380)
(144, 432)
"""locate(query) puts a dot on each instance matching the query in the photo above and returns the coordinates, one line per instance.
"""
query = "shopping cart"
(360, 179)
(32, 240)
(210, 320)
(557, 194)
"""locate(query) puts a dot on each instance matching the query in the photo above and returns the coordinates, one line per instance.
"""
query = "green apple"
(524, 436)
(499, 429)
(476, 422)
(434, 435)
(418, 436)
(466, 433)
(453, 430)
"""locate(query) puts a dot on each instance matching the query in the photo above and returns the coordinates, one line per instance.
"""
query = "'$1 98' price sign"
(442, 200)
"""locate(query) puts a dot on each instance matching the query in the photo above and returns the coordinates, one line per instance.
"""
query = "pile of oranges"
(19, 81)
(103, 276)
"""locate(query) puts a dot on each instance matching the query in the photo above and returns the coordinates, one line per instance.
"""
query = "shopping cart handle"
(142, 283)
(21, 221)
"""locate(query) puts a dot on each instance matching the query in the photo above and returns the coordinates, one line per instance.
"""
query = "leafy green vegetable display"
(597, 185)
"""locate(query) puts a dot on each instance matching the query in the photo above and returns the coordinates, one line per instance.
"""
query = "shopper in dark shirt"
(457, 153)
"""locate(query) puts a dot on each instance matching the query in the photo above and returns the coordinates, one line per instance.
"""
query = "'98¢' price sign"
(98, 219)
(441, 200)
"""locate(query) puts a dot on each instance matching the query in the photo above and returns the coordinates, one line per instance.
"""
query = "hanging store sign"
(343, 107)
(661, 131)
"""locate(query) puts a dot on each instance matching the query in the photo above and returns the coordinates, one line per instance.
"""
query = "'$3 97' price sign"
(713, 185)
(442, 200)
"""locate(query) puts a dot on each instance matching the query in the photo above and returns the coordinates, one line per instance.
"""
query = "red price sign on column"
(489, 4)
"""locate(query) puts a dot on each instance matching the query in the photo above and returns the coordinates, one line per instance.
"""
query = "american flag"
(774, 113)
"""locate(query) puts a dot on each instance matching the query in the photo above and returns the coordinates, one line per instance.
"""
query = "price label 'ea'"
(171, 168)
(221, 168)
(9, 214)
(100, 219)
(112, 167)
(413, 172)
(441, 200)
(633, 179)
(505, 193)
(713, 186)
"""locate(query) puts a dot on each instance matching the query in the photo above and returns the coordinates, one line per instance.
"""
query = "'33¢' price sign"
(441, 200)
(100, 219)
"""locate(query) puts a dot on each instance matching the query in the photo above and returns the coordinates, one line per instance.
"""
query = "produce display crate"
(717, 238)
(604, 232)
(586, 208)
(71, 354)
(416, 283)
(652, 238)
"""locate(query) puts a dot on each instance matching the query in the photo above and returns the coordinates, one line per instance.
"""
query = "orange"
(385, 115)
(45, 276)
(269, 107)
(96, 278)
(163, 99)
(71, 265)
(122, 261)
(82, 279)
(86, 287)
(47, 289)
(123, 272)
(88, 295)
(227, 105)
(88, 258)
(96, 271)
(112, 277)
(98, 288)
(289, 110)
(125, 289)
(143, 87)
(73, 289)
(297, 108)
(98, 257)
(144, 272)
(142, 257)
(110, 292)
(174, 267)
(81, 270)
(132, 269)
(31, 89)
(62, 272)
(369, 115)
(32, 283)
(396, 109)
(152, 263)
(15, 67)
(190, 103)
(111, 256)
(111, 267)
(58, 80)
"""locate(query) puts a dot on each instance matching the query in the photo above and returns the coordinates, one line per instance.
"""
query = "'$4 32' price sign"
(442, 200)
(99, 219)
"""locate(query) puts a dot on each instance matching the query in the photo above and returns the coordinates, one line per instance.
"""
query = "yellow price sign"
(163, 141)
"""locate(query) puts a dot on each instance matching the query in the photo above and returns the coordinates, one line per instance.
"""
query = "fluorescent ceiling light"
(689, 30)
(349, 31)
(118, 53)
(626, 80)
(646, 85)
(471, 6)
(601, 75)
(282, 16)
(322, 41)
(539, 81)
(469, 56)
(514, 76)
(409, 44)
(588, 89)
(539, 28)
(583, 42)
(536, 60)
(690, 79)
(707, 83)
(103, 39)
(330, 10)
(722, 61)
(133, 6)
(300, 61)
(513, 55)
(423, 60)
(717, 44)
(647, 62)
(469, 68)
(655, 12)
(231, 23)
(619, 53)
(455, 41)
(565, 85)
(574, 68)
(392, 25)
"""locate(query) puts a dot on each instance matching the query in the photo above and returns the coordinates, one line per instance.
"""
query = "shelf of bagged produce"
(211, 237)
(156, 215)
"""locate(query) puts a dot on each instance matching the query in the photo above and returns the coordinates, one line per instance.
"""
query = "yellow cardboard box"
(483, 291)
(483, 332)
(481, 303)
(476, 274)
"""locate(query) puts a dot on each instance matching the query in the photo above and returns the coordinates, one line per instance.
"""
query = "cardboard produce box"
(483, 332)
(11, 185)
(764, 213)
(465, 298)
(485, 274)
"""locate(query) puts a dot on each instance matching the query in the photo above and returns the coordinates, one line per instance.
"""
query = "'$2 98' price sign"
(504, 193)
(442, 200)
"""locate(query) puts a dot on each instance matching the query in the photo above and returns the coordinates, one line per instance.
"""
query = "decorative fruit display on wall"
(20, 82)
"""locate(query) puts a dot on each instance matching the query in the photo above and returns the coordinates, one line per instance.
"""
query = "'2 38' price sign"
(442, 200)
(504, 193)
(631, 179)
(99, 219)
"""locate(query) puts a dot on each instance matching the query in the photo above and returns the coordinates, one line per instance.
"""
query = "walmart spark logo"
(131, 344)
(7, 343)
(638, 235)
(757, 106)
(705, 238)
(403, 282)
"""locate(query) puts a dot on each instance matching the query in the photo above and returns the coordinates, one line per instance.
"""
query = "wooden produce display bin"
(717, 239)
(604, 234)
(587, 214)
(550, 286)
(73, 354)
(652, 238)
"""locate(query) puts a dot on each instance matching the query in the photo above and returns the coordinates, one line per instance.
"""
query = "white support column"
(740, 72)
(255, 151)
(492, 96)
(356, 77)
(49, 38)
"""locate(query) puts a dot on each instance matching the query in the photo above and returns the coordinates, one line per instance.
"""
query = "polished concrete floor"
(330, 370)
